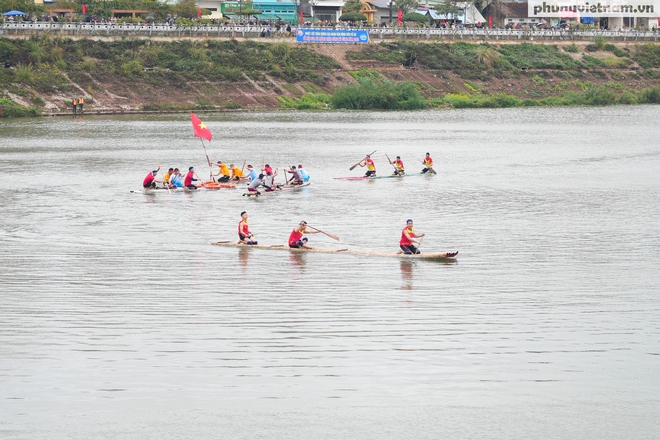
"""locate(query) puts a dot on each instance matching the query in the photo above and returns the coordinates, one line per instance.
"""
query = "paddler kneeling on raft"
(149, 182)
(407, 235)
(296, 240)
(244, 234)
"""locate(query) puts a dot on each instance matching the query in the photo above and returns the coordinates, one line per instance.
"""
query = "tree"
(406, 5)
(448, 8)
(186, 8)
(352, 16)
(352, 6)
(415, 17)
(27, 6)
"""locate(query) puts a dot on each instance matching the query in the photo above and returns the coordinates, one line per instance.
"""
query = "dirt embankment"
(115, 94)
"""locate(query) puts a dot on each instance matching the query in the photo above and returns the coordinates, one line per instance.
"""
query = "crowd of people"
(295, 175)
(174, 179)
(408, 242)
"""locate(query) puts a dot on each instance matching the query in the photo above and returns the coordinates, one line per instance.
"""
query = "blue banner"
(331, 36)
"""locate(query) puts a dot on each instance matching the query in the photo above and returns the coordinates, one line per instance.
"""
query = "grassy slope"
(185, 74)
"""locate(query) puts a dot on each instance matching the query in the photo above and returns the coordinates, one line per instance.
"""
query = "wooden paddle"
(201, 182)
(430, 167)
(166, 184)
(334, 237)
(353, 167)
(420, 243)
(390, 160)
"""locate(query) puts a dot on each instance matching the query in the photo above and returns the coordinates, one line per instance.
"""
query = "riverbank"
(166, 75)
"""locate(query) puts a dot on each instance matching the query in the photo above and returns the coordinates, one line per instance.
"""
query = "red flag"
(302, 19)
(400, 17)
(199, 13)
(490, 21)
(201, 130)
(84, 9)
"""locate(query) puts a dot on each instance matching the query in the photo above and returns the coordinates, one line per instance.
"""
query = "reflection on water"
(297, 261)
(244, 257)
(119, 319)
(407, 267)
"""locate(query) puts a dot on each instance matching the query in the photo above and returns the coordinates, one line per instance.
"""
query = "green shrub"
(370, 74)
(650, 73)
(311, 88)
(650, 96)
(232, 105)
(133, 67)
(13, 110)
(538, 80)
(385, 96)
(599, 96)
(615, 50)
(592, 62)
(25, 73)
(470, 87)
(353, 16)
(617, 63)
(7, 50)
(647, 55)
(573, 48)
(415, 17)
(627, 98)
(308, 101)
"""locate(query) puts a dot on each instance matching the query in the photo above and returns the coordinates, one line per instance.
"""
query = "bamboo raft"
(439, 256)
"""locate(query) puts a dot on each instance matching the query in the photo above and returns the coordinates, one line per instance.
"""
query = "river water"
(118, 319)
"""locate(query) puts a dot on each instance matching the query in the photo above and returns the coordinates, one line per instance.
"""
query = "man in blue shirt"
(303, 172)
(252, 174)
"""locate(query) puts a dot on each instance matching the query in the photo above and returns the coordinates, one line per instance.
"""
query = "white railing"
(376, 33)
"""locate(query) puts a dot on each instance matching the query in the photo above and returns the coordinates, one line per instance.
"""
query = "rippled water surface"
(118, 319)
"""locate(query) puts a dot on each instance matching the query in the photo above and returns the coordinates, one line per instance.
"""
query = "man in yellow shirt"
(236, 173)
(169, 174)
(223, 173)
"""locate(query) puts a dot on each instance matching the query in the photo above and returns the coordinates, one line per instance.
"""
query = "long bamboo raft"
(439, 256)
(385, 176)
(276, 191)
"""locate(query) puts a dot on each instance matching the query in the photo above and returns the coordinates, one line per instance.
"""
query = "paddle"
(201, 182)
(430, 167)
(353, 167)
(390, 160)
(334, 237)
(243, 168)
(166, 184)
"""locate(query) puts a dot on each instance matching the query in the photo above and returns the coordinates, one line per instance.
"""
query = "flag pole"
(208, 160)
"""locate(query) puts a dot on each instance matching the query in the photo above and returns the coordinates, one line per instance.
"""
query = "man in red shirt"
(244, 234)
(150, 180)
(296, 239)
(428, 164)
(398, 166)
(407, 235)
(190, 178)
(371, 167)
